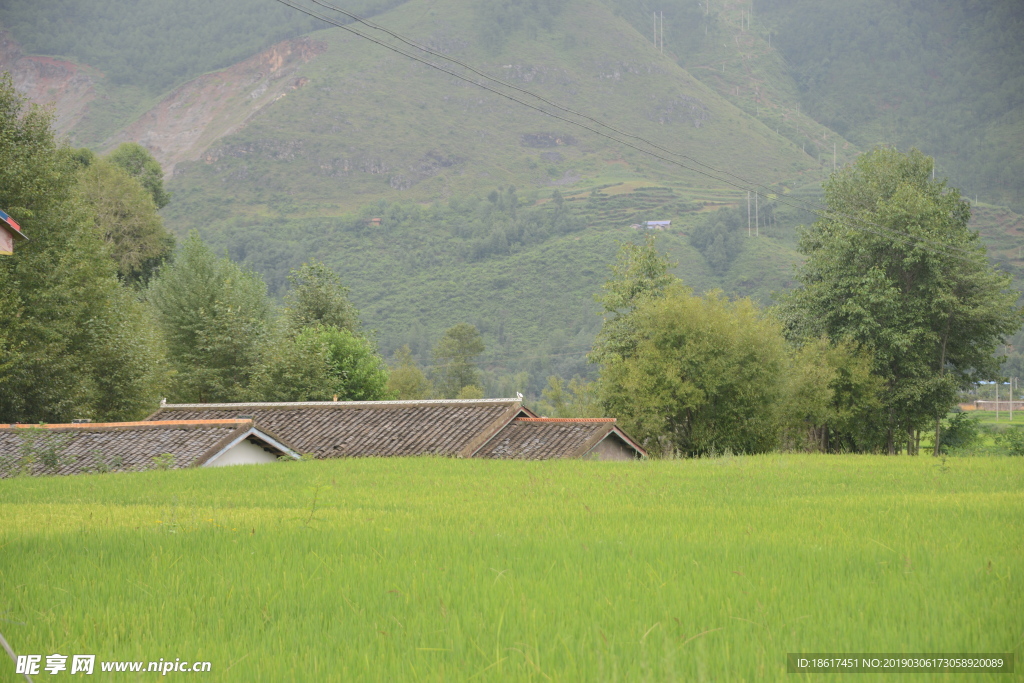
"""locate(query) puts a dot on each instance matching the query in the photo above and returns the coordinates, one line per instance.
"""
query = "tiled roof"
(334, 429)
(129, 446)
(548, 438)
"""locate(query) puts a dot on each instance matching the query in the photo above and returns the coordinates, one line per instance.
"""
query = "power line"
(879, 230)
(356, 18)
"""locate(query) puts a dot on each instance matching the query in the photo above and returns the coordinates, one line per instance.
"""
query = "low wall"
(991, 405)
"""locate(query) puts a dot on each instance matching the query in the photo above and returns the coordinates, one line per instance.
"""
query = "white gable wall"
(242, 453)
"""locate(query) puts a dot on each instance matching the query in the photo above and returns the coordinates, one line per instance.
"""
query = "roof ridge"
(340, 404)
(565, 419)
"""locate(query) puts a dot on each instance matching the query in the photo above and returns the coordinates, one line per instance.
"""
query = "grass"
(434, 569)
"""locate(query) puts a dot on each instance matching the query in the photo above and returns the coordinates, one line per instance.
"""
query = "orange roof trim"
(93, 425)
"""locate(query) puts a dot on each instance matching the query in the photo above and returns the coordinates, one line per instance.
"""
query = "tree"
(360, 372)
(216, 319)
(73, 343)
(830, 398)
(128, 219)
(317, 297)
(407, 381)
(318, 364)
(892, 267)
(640, 273)
(454, 355)
(137, 162)
(700, 375)
(577, 398)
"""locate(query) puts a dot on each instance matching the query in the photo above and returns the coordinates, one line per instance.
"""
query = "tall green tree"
(892, 267)
(575, 398)
(137, 162)
(217, 321)
(317, 297)
(830, 398)
(455, 356)
(128, 219)
(407, 381)
(640, 273)
(700, 374)
(321, 363)
(73, 343)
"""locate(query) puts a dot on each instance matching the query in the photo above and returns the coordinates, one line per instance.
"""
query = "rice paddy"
(434, 569)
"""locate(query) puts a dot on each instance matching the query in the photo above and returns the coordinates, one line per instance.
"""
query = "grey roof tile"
(367, 428)
(122, 446)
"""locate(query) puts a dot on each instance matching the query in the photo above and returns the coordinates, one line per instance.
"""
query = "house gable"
(551, 438)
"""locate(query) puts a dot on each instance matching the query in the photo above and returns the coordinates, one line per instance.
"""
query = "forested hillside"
(946, 76)
(506, 217)
(149, 44)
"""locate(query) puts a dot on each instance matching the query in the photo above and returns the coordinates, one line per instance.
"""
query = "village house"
(481, 428)
(9, 232)
(137, 446)
(178, 436)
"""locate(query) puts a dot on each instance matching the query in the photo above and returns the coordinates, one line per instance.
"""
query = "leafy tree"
(407, 381)
(959, 431)
(358, 369)
(128, 219)
(317, 297)
(470, 392)
(702, 374)
(296, 368)
(575, 398)
(830, 397)
(892, 267)
(455, 356)
(639, 274)
(72, 342)
(137, 162)
(216, 319)
(718, 237)
(318, 364)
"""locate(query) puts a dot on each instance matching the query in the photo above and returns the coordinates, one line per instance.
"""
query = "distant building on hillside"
(652, 225)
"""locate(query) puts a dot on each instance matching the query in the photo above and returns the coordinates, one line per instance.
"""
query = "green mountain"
(372, 135)
(946, 76)
(440, 202)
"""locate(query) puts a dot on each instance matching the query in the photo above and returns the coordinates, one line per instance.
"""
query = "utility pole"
(833, 156)
(748, 213)
(757, 224)
(997, 401)
(654, 17)
(1011, 400)
(662, 33)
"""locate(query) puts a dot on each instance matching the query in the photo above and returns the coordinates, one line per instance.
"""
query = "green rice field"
(430, 569)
